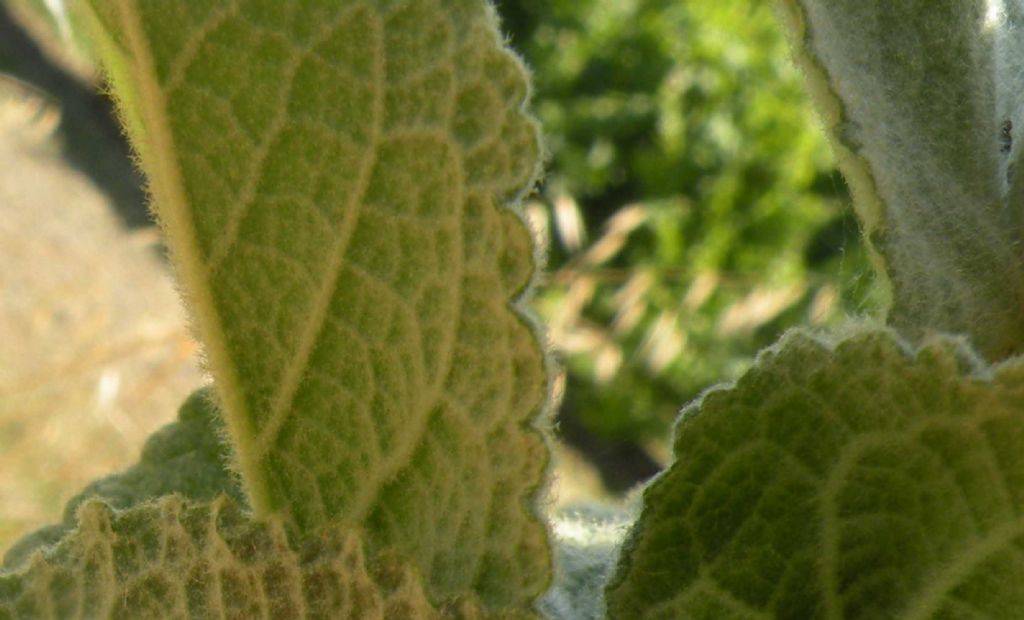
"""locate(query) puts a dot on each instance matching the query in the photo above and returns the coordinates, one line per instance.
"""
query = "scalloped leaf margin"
(855, 480)
(330, 178)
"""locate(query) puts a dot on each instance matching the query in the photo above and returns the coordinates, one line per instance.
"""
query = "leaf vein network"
(296, 368)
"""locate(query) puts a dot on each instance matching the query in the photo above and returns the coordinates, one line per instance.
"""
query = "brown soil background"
(94, 351)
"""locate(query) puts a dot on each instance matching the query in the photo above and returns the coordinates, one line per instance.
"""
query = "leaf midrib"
(167, 187)
(252, 443)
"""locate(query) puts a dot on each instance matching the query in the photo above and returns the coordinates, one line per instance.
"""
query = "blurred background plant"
(691, 203)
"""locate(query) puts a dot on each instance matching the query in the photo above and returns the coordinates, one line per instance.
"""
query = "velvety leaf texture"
(587, 541)
(176, 559)
(922, 100)
(851, 481)
(332, 179)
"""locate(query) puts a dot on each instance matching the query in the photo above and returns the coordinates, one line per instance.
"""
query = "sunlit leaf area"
(691, 207)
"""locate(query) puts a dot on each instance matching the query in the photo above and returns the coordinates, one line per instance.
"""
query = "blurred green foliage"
(692, 200)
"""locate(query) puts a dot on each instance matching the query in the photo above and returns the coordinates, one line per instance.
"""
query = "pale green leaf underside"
(854, 481)
(329, 176)
(175, 559)
(915, 94)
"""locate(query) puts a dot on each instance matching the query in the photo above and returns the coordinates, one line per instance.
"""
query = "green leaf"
(330, 177)
(177, 559)
(916, 94)
(187, 457)
(859, 480)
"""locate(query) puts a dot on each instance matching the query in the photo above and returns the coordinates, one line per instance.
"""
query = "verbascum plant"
(338, 183)
(876, 475)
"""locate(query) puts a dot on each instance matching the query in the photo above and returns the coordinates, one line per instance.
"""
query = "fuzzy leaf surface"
(332, 179)
(922, 101)
(852, 481)
(176, 559)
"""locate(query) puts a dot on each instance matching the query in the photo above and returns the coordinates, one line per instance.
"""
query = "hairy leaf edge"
(141, 105)
(970, 363)
(856, 170)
